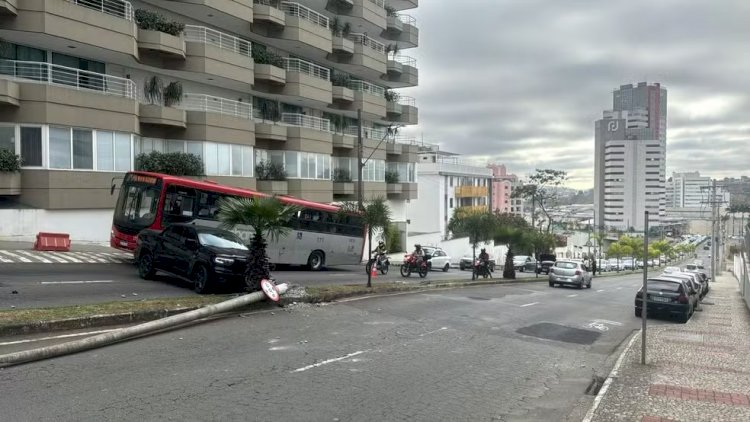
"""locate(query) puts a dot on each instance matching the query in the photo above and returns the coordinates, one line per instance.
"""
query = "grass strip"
(23, 316)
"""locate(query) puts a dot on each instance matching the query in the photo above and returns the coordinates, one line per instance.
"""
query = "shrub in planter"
(173, 163)
(262, 55)
(9, 161)
(266, 170)
(391, 176)
(340, 79)
(391, 96)
(153, 90)
(153, 21)
(173, 94)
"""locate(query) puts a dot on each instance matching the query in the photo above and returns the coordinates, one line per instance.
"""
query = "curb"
(612, 375)
(88, 322)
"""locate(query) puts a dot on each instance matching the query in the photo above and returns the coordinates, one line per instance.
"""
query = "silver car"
(570, 273)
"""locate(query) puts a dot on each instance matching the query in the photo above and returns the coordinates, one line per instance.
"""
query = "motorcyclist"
(418, 254)
(484, 258)
(379, 251)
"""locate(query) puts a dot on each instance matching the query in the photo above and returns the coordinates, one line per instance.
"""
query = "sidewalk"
(12, 245)
(12, 252)
(699, 371)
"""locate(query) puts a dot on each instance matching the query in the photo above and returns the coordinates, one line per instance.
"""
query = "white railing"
(366, 87)
(212, 104)
(367, 132)
(367, 41)
(296, 9)
(379, 3)
(405, 60)
(407, 19)
(201, 34)
(301, 120)
(302, 66)
(52, 74)
(120, 8)
(407, 101)
(407, 140)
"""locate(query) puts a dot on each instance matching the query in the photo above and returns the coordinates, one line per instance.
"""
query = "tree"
(514, 232)
(478, 226)
(265, 217)
(541, 188)
(376, 216)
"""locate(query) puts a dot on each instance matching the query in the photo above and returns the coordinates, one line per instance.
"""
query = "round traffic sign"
(270, 290)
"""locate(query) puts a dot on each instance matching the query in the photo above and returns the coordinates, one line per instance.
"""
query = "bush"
(172, 163)
(391, 176)
(340, 79)
(153, 21)
(9, 161)
(342, 175)
(266, 170)
(261, 55)
(393, 241)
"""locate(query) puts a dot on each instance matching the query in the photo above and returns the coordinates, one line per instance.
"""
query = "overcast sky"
(521, 82)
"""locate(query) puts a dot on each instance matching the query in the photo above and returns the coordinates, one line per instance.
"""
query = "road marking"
(618, 288)
(326, 362)
(573, 295)
(19, 257)
(77, 282)
(32, 340)
(530, 304)
(6, 260)
(35, 256)
(70, 256)
(54, 257)
(600, 290)
(599, 326)
(93, 257)
(606, 321)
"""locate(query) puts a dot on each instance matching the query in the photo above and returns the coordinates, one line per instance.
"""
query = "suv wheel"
(146, 265)
(201, 279)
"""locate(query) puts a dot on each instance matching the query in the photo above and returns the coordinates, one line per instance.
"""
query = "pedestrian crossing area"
(38, 257)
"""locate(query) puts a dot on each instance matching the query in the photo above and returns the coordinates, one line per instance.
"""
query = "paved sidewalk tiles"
(38, 257)
(698, 371)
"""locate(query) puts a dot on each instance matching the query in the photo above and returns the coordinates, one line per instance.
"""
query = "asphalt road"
(44, 285)
(506, 352)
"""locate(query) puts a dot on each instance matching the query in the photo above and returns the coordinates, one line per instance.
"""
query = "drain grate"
(595, 385)
(557, 332)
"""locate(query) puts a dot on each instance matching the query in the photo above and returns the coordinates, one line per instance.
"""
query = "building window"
(451, 203)
(31, 146)
(8, 138)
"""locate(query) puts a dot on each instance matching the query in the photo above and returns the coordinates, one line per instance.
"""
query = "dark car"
(665, 296)
(202, 255)
(693, 286)
(546, 261)
(703, 278)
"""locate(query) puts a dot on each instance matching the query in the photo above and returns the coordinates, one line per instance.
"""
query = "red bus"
(319, 235)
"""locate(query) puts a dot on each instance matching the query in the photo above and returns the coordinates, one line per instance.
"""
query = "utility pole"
(644, 292)
(360, 164)
(713, 231)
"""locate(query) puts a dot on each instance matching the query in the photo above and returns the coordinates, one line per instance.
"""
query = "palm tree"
(376, 216)
(478, 226)
(265, 216)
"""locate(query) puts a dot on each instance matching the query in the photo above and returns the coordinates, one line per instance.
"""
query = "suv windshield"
(221, 240)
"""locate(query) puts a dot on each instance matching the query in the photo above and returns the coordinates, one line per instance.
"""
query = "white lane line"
(573, 295)
(32, 340)
(326, 362)
(15, 256)
(92, 257)
(70, 256)
(6, 260)
(600, 290)
(77, 282)
(618, 288)
(54, 257)
(530, 304)
(36, 255)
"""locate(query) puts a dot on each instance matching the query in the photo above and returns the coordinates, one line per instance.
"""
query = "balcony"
(218, 119)
(344, 141)
(161, 45)
(372, 12)
(342, 94)
(393, 110)
(306, 26)
(402, 71)
(341, 45)
(402, 29)
(471, 191)
(403, 4)
(311, 190)
(369, 98)
(233, 16)
(308, 133)
(54, 94)
(218, 54)
(159, 115)
(9, 7)
(78, 23)
(409, 112)
(274, 187)
(264, 12)
(474, 209)
(270, 74)
(393, 148)
(308, 81)
(343, 188)
(368, 53)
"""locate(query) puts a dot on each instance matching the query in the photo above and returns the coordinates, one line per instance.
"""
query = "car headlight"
(223, 261)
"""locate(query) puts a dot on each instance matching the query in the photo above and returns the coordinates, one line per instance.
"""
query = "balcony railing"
(212, 104)
(296, 9)
(366, 87)
(52, 74)
(201, 34)
(302, 66)
(120, 8)
(301, 120)
(407, 19)
(471, 191)
(406, 140)
(407, 101)
(379, 3)
(367, 41)
(474, 208)
(405, 60)
(367, 132)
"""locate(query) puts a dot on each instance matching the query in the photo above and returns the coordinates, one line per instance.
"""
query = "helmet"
(484, 250)
(381, 243)
(417, 246)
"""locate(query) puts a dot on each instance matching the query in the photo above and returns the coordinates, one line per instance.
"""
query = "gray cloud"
(522, 81)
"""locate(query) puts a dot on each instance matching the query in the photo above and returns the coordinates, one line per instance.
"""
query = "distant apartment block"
(503, 183)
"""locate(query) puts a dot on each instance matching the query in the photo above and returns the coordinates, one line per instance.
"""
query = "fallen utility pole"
(268, 290)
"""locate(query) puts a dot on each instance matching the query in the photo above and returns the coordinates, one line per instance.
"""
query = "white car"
(439, 259)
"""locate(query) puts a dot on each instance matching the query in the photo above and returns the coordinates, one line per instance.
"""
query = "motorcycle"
(482, 269)
(382, 264)
(410, 264)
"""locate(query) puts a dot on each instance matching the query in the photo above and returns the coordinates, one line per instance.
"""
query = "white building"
(690, 190)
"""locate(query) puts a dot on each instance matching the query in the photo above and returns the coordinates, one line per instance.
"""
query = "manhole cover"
(478, 298)
(557, 332)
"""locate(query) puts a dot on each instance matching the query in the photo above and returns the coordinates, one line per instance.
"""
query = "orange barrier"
(52, 242)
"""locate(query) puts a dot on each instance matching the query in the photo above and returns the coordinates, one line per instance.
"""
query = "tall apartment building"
(502, 199)
(688, 190)
(446, 183)
(630, 158)
(262, 80)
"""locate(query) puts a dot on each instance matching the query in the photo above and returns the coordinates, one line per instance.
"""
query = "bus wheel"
(316, 261)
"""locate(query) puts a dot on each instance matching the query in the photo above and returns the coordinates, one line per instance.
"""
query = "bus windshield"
(137, 206)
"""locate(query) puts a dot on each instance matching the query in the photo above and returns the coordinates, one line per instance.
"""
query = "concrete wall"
(86, 226)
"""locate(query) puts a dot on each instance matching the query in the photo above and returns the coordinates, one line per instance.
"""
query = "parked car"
(438, 258)
(546, 261)
(202, 255)
(524, 263)
(628, 263)
(570, 273)
(694, 286)
(603, 265)
(703, 279)
(672, 270)
(665, 296)
(466, 262)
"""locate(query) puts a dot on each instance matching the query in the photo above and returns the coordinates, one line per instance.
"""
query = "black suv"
(205, 256)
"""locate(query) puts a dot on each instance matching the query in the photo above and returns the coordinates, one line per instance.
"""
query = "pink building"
(502, 188)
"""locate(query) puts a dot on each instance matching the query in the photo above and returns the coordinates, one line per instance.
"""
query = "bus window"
(208, 205)
(179, 205)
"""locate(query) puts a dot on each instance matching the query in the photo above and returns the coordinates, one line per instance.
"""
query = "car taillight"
(682, 298)
(578, 272)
